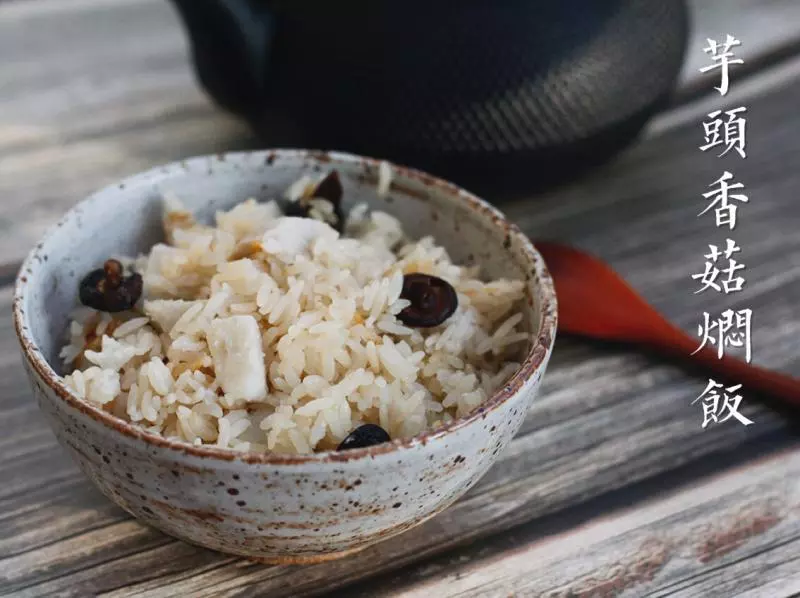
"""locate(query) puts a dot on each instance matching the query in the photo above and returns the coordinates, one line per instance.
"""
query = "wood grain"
(651, 197)
(714, 539)
(607, 418)
(768, 31)
(101, 89)
(610, 427)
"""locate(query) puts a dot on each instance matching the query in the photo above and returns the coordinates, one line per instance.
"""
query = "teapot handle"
(230, 42)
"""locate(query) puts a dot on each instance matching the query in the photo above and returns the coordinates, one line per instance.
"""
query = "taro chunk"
(292, 236)
(166, 312)
(235, 345)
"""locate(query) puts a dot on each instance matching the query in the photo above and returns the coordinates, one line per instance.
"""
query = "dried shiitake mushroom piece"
(363, 436)
(328, 189)
(433, 300)
(108, 289)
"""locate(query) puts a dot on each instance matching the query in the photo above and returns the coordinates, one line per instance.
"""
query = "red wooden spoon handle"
(729, 369)
(594, 301)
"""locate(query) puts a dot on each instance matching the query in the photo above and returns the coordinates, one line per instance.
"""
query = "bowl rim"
(535, 359)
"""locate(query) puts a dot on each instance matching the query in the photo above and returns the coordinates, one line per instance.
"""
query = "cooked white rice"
(270, 333)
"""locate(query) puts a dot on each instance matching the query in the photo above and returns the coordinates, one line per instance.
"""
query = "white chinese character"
(731, 329)
(730, 133)
(726, 405)
(725, 211)
(721, 55)
(732, 283)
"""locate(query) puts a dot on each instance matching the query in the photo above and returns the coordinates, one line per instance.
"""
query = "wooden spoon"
(594, 301)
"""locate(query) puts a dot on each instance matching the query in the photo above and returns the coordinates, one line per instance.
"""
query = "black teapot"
(480, 91)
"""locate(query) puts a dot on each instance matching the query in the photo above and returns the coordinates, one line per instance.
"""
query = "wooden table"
(610, 489)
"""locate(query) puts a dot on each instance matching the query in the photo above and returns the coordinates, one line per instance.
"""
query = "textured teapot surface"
(457, 88)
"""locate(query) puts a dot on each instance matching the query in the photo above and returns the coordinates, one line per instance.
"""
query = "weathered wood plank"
(767, 30)
(720, 538)
(93, 91)
(102, 89)
(607, 418)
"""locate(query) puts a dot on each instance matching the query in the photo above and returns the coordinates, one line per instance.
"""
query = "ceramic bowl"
(277, 508)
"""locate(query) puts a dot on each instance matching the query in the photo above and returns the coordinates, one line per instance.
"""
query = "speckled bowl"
(275, 508)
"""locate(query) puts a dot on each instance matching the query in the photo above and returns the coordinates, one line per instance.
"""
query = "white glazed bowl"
(277, 508)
